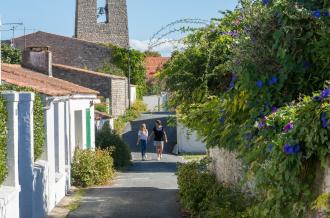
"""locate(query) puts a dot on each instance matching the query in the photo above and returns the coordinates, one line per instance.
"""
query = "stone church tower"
(102, 21)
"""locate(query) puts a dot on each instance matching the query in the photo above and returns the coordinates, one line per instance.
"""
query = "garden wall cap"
(79, 70)
(16, 75)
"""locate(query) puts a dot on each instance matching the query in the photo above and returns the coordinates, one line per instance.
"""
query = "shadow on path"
(128, 202)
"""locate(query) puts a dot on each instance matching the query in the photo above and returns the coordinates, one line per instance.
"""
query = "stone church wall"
(68, 51)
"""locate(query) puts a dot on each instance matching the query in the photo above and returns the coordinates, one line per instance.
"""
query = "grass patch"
(76, 199)
(193, 157)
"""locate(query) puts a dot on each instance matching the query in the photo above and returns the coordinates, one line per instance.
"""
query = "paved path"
(148, 189)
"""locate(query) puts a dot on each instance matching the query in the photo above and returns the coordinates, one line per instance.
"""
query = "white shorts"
(159, 143)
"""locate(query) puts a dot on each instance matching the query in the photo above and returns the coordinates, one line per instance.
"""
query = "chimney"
(38, 59)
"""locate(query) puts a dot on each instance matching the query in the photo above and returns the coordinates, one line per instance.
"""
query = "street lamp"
(129, 77)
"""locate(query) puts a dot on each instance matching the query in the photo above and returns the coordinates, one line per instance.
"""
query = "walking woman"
(142, 140)
(159, 138)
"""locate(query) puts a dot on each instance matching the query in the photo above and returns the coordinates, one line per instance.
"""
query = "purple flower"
(246, 29)
(274, 109)
(261, 124)
(231, 85)
(324, 120)
(316, 13)
(296, 149)
(288, 126)
(288, 149)
(326, 14)
(270, 147)
(306, 64)
(265, 2)
(325, 93)
(222, 120)
(233, 80)
(273, 81)
(259, 84)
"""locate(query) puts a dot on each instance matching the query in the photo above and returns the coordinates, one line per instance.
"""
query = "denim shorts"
(159, 143)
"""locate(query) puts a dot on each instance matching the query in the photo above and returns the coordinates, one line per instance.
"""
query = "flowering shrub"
(92, 167)
(285, 171)
(254, 103)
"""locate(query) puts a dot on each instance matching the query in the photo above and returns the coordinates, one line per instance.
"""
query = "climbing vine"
(121, 57)
(250, 82)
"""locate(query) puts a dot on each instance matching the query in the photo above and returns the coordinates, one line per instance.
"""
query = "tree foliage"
(10, 55)
(152, 54)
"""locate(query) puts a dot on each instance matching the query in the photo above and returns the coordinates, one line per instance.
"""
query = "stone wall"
(68, 51)
(115, 30)
(113, 87)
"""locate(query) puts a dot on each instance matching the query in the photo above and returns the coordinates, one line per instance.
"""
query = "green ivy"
(3, 140)
(120, 58)
(38, 118)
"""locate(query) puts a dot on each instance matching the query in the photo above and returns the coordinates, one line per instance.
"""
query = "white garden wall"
(156, 103)
(188, 141)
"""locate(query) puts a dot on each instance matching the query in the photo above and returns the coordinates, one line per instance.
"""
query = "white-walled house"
(69, 124)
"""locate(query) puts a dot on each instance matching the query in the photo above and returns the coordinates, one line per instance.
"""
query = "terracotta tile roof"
(16, 75)
(79, 70)
(153, 64)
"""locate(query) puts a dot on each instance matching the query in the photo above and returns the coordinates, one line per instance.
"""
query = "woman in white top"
(142, 140)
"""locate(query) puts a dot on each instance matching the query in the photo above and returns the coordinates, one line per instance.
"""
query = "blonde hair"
(143, 128)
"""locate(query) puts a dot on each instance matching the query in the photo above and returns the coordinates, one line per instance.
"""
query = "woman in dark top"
(159, 138)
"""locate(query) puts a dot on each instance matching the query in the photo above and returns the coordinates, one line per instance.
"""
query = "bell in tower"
(102, 21)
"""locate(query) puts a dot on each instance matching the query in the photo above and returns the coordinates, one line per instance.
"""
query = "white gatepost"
(9, 191)
(11, 99)
(26, 153)
(50, 151)
(60, 175)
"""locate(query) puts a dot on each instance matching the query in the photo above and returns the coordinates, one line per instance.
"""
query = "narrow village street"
(145, 189)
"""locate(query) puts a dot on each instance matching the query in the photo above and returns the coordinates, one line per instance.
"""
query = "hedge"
(92, 167)
(3, 140)
(105, 139)
(203, 196)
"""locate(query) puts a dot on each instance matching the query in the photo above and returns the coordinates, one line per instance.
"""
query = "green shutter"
(88, 128)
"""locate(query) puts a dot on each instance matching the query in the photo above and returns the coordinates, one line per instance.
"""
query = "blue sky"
(145, 16)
